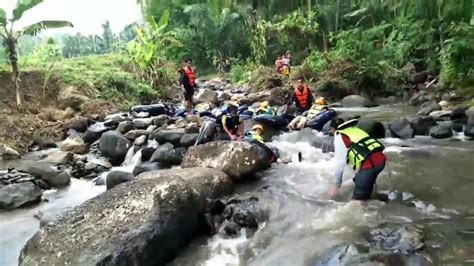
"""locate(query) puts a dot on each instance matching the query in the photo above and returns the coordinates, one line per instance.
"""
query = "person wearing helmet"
(319, 106)
(264, 109)
(256, 134)
(231, 124)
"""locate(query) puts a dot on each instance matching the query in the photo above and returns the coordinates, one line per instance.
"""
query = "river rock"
(441, 115)
(46, 172)
(79, 124)
(59, 157)
(75, 145)
(115, 146)
(224, 96)
(398, 238)
(152, 109)
(207, 96)
(469, 131)
(140, 140)
(115, 178)
(8, 153)
(417, 99)
(171, 93)
(401, 128)
(172, 136)
(144, 222)
(356, 101)
(441, 132)
(422, 124)
(125, 126)
(188, 140)
(16, 195)
(142, 123)
(147, 152)
(428, 107)
(117, 118)
(458, 115)
(71, 97)
(161, 120)
(60, 180)
(342, 254)
(167, 155)
(470, 115)
(145, 167)
(94, 132)
(375, 129)
(239, 160)
(133, 134)
(44, 142)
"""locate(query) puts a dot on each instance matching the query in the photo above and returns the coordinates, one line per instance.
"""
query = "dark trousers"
(364, 182)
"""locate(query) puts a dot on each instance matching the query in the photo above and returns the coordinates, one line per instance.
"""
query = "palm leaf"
(3, 17)
(22, 6)
(46, 24)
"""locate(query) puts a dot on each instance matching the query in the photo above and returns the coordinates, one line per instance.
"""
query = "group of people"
(283, 64)
(353, 146)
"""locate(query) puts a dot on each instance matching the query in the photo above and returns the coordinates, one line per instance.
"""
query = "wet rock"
(133, 134)
(141, 115)
(44, 142)
(188, 140)
(142, 123)
(356, 101)
(8, 153)
(140, 140)
(117, 118)
(206, 96)
(224, 96)
(161, 120)
(147, 152)
(239, 160)
(231, 228)
(469, 131)
(16, 195)
(375, 129)
(441, 132)
(114, 146)
(456, 127)
(470, 115)
(342, 254)
(422, 124)
(115, 178)
(125, 126)
(152, 109)
(94, 132)
(458, 115)
(59, 157)
(172, 136)
(60, 180)
(79, 125)
(46, 172)
(401, 128)
(75, 145)
(167, 155)
(151, 128)
(428, 107)
(145, 167)
(398, 238)
(72, 97)
(440, 115)
(417, 99)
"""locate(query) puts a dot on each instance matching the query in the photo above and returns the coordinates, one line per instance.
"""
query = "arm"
(310, 96)
(340, 159)
(182, 80)
(224, 119)
(240, 129)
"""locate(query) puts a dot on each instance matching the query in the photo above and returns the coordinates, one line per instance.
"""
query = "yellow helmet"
(320, 101)
(257, 126)
(263, 105)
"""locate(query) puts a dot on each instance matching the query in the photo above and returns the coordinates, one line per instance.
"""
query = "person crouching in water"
(255, 136)
(187, 82)
(365, 154)
(299, 122)
(231, 124)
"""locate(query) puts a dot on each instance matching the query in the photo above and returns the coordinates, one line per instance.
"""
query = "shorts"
(188, 95)
(364, 182)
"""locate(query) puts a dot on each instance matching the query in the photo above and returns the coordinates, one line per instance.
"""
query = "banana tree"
(10, 36)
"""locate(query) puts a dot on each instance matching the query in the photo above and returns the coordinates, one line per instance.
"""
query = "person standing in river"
(187, 82)
(365, 154)
(300, 94)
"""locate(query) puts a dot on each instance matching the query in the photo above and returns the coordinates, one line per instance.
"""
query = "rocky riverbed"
(147, 207)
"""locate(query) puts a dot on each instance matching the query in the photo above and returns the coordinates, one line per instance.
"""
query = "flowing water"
(303, 221)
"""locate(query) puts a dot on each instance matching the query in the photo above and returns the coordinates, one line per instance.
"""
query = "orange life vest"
(302, 96)
(191, 76)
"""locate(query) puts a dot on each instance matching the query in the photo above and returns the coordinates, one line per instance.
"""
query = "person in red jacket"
(300, 95)
(278, 65)
(187, 82)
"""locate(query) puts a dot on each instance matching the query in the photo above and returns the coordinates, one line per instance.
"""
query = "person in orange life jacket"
(231, 124)
(300, 95)
(278, 65)
(365, 154)
(187, 82)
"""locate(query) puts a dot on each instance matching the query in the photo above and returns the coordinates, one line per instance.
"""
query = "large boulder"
(133, 134)
(422, 124)
(145, 167)
(469, 131)
(75, 145)
(189, 140)
(172, 136)
(142, 123)
(207, 96)
(375, 129)
(143, 222)
(44, 141)
(470, 115)
(125, 126)
(45, 172)
(16, 195)
(115, 178)
(114, 145)
(459, 115)
(161, 120)
(239, 160)
(151, 109)
(71, 97)
(94, 132)
(428, 107)
(79, 125)
(356, 101)
(441, 132)
(167, 155)
(59, 157)
(401, 128)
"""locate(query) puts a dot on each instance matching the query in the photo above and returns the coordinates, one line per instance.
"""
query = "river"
(303, 222)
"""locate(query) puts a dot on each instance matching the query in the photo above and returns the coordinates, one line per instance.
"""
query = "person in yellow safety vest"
(300, 121)
(264, 109)
(256, 133)
(355, 147)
